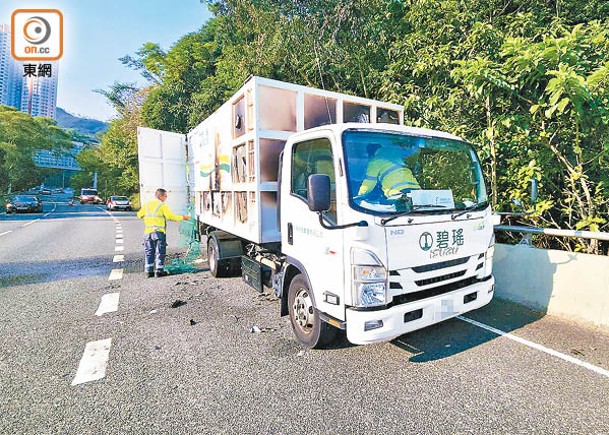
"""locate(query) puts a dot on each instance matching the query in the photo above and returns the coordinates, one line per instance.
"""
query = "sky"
(98, 32)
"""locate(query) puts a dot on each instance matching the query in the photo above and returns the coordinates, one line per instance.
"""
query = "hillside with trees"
(526, 82)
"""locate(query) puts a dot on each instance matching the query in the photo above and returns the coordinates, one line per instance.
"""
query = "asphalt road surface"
(89, 345)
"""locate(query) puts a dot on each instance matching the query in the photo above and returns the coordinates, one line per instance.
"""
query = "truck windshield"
(391, 173)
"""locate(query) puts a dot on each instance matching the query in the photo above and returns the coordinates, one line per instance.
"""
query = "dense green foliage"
(526, 81)
(21, 136)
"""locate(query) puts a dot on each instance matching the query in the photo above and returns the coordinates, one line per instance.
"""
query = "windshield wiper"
(407, 212)
(466, 209)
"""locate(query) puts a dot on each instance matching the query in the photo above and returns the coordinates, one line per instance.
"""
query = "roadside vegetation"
(526, 82)
(21, 136)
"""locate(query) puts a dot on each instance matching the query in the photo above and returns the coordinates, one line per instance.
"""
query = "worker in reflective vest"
(388, 170)
(155, 214)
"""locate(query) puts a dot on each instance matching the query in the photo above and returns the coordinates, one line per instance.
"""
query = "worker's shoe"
(149, 274)
(160, 273)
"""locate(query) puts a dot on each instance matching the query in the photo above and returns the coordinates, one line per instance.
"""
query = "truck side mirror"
(318, 198)
(534, 190)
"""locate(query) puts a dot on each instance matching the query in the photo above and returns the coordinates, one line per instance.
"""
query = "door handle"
(290, 233)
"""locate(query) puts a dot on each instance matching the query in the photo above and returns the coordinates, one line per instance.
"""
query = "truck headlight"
(369, 279)
(490, 253)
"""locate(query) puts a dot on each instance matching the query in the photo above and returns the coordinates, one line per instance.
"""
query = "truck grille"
(424, 294)
(435, 279)
(442, 265)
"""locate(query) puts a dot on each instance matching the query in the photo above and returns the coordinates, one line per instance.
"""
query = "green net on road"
(189, 239)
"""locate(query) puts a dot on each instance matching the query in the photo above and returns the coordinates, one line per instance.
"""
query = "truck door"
(162, 164)
(320, 251)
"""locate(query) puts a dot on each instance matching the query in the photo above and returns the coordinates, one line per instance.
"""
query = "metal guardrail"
(554, 232)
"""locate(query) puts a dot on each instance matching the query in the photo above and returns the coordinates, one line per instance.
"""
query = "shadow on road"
(454, 336)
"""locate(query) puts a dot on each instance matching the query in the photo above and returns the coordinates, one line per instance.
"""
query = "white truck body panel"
(236, 169)
(162, 164)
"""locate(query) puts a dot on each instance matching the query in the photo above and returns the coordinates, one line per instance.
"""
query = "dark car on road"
(118, 203)
(24, 203)
(89, 196)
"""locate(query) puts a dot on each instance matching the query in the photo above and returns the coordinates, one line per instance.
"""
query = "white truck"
(276, 177)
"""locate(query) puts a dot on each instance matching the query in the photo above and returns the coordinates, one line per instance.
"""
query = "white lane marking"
(5, 233)
(29, 223)
(118, 258)
(119, 248)
(115, 274)
(119, 241)
(119, 236)
(93, 362)
(539, 347)
(108, 304)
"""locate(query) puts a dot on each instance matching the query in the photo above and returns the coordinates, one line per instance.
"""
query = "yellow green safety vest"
(155, 214)
(392, 177)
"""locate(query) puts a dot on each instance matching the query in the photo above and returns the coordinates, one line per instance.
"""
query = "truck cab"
(376, 265)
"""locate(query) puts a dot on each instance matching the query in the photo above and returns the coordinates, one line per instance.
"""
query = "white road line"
(5, 233)
(93, 362)
(119, 241)
(539, 347)
(118, 258)
(119, 236)
(115, 274)
(29, 223)
(108, 304)
(119, 248)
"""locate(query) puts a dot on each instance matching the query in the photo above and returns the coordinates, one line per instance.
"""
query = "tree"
(21, 136)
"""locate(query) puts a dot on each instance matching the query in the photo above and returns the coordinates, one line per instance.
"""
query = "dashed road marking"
(116, 274)
(119, 241)
(119, 248)
(29, 223)
(93, 362)
(108, 304)
(5, 233)
(118, 258)
(536, 346)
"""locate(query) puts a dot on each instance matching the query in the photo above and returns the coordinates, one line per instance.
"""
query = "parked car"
(89, 196)
(58, 190)
(44, 191)
(23, 203)
(118, 203)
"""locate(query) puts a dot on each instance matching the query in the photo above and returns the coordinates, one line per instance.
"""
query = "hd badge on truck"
(443, 243)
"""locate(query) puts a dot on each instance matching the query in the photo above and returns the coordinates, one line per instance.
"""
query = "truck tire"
(310, 330)
(217, 267)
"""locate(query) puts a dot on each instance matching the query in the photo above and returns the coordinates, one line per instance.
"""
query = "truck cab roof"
(338, 129)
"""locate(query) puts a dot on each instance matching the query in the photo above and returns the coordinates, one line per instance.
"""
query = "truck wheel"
(217, 267)
(310, 330)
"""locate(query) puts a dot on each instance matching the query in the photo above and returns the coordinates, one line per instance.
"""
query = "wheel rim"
(303, 311)
(211, 256)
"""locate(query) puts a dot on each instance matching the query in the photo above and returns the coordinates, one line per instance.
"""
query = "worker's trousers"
(155, 245)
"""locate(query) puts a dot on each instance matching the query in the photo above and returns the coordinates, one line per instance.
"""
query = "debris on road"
(193, 322)
(157, 347)
(178, 303)
(256, 330)
(153, 312)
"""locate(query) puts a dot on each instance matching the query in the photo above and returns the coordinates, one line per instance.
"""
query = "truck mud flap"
(254, 274)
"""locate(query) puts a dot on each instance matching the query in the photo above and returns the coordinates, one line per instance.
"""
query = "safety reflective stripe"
(154, 214)
(404, 183)
(388, 171)
(370, 177)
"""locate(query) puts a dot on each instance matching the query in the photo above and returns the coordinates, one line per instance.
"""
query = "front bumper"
(433, 310)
